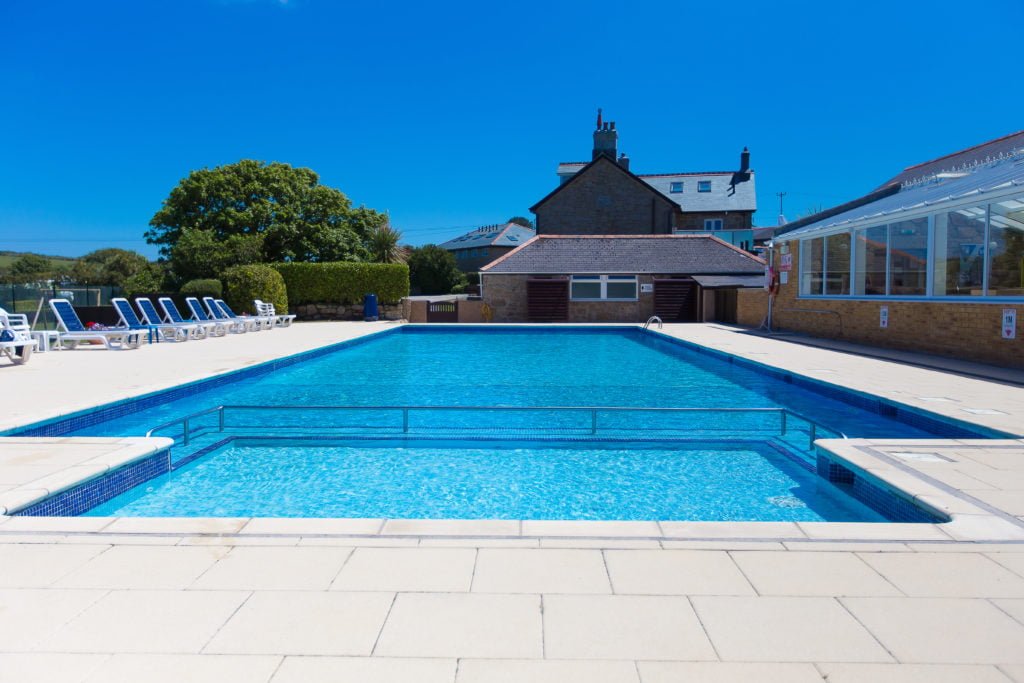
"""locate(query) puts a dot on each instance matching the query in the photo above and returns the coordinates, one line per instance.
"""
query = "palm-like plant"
(383, 244)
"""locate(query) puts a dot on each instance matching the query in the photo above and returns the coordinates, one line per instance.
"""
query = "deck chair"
(263, 322)
(16, 342)
(172, 314)
(72, 331)
(150, 316)
(130, 320)
(217, 311)
(199, 314)
(267, 310)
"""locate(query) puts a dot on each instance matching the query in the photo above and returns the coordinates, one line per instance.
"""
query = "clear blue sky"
(452, 115)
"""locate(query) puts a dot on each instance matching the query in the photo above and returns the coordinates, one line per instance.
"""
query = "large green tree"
(108, 267)
(295, 217)
(29, 268)
(433, 270)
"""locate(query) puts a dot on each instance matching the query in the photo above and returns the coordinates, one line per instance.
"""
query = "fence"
(31, 299)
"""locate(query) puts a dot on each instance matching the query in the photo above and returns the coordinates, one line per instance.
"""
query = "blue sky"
(452, 115)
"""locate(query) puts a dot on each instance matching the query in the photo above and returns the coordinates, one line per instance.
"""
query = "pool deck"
(103, 599)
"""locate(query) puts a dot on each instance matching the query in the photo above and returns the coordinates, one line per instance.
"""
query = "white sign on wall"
(784, 277)
(1009, 323)
(646, 288)
(883, 317)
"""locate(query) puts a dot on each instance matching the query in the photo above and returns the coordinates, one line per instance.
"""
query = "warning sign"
(1009, 323)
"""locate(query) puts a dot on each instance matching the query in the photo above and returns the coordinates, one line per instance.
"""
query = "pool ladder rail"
(651, 320)
(189, 431)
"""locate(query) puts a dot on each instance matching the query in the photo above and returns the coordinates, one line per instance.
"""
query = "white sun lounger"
(199, 314)
(172, 314)
(72, 331)
(16, 341)
(267, 310)
(151, 317)
(130, 320)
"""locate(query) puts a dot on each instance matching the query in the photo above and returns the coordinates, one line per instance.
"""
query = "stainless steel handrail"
(652, 319)
(784, 413)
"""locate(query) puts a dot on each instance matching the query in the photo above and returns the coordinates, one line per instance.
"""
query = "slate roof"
(626, 254)
(504, 235)
(972, 155)
(978, 181)
(599, 160)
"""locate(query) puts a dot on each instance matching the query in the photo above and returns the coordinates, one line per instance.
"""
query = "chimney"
(624, 161)
(745, 160)
(605, 139)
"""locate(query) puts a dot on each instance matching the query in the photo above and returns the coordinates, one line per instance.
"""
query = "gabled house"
(484, 244)
(603, 196)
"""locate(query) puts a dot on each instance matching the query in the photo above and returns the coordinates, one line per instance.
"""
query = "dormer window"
(675, 188)
(703, 186)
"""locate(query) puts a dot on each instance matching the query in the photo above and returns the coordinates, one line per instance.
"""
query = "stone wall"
(506, 297)
(345, 311)
(969, 331)
(605, 201)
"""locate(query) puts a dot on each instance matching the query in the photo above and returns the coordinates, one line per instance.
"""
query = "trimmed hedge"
(343, 282)
(245, 283)
(201, 288)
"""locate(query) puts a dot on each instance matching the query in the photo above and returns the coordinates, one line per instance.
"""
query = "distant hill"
(9, 257)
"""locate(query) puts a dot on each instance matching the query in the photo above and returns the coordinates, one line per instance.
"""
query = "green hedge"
(344, 283)
(246, 283)
(201, 288)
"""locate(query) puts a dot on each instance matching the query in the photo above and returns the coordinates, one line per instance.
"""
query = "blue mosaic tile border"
(86, 496)
(887, 501)
(944, 427)
(111, 411)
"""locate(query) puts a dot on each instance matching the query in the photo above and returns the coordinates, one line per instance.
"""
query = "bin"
(370, 308)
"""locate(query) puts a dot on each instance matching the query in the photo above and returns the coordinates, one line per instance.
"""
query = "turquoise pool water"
(499, 480)
(494, 464)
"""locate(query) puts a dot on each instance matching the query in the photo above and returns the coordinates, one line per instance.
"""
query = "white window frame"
(603, 280)
(712, 228)
(703, 183)
(672, 187)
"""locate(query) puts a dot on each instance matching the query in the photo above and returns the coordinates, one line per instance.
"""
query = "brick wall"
(506, 295)
(605, 201)
(731, 220)
(969, 331)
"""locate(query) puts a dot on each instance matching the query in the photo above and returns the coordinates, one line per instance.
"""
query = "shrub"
(201, 288)
(245, 283)
(433, 270)
(344, 282)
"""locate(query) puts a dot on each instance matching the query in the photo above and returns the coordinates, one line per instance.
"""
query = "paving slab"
(272, 568)
(545, 671)
(811, 574)
(407, 569)
(303, 623)
(151, 668)
(911, 673)
(365, 670)
(47, 668)
(40, 565)
(142, 566)
(623, 627)
(776, 629)
(675, 572)
(463, 625)
(957, 575)
(540, 571)
(726, 672)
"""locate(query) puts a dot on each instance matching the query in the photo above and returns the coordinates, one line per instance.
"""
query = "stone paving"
(99, 599)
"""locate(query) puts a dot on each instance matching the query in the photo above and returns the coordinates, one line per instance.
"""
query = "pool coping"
(971, 520)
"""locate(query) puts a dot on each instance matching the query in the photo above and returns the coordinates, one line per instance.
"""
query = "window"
(712, 223)
(812, 266)
(1006, 248)
(603, 287)
(675, 188)
(872, 246)
(703, 186)
(837, 264)
(959, 263)
(908, 257)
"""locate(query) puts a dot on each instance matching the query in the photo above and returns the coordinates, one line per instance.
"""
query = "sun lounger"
(16, 342)
(172, 314)
(72, 331)
(266, 309)
(200, 314)
(130, 320)
(150, 316)
(263, 322)
(220, 312)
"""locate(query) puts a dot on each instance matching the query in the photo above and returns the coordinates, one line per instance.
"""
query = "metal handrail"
(652, 319)
(784, 414)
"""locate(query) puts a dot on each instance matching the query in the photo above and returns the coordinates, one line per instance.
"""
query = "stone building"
(619, 278)
(603, 196)
(931, 261)
(482, 245)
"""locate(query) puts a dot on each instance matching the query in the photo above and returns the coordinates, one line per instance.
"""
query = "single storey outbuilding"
(619, 278)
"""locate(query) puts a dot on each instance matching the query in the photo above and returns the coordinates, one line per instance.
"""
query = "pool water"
(497, 480)
(512, 366)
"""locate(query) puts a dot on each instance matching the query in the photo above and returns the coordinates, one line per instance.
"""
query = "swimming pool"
(500, 386)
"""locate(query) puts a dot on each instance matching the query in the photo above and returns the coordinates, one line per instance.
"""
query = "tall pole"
(780, 195)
